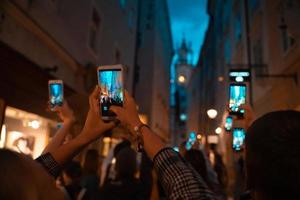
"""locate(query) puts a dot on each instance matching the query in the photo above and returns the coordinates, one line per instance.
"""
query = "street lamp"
(212, 113)
(218, 130)
(181, 79)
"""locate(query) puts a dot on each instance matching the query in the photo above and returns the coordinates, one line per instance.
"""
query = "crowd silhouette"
(271, 162)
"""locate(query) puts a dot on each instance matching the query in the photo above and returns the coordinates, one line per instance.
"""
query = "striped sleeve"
(179, 180)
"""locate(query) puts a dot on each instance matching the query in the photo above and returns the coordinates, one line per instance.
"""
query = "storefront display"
(25, 132)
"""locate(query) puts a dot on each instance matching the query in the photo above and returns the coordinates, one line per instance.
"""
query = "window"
(227, 50)
(237, 27)
(94, 29)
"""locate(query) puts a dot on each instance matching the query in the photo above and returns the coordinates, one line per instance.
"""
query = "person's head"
(91, 162)
(273, 156)
(197, 160)
(126, 163)
(72, 173)
(124, 144)
(23, 178)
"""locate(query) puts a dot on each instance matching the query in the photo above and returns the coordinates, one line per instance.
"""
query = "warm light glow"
(181, 79)
(212, 113)
(34, 124)
(220, 78)
(218, 130)
(106, 140)
(3, 136)
(199, 136)
(143, 118)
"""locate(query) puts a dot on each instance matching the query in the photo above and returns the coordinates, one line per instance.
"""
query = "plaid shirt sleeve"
(179, 180)
(49, 164)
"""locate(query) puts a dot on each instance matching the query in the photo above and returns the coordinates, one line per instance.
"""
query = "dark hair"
(120, 146)
(126, 163)
(91, 162)
(73, 169)
(273, 155)
(197, 160)
(23, 178)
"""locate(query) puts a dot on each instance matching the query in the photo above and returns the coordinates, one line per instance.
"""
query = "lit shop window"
(108, 144)
(25, 132)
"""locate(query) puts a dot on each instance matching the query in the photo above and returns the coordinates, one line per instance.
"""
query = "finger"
(96, 106)
(129, 101)
(56, 109)
(93, 94)
(116, 109)
(49, 108)
(109, 125)
(128, 97)
(66, 105)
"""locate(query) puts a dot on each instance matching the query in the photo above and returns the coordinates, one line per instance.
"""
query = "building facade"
(42, 40)
(262, 36)
(152, 72)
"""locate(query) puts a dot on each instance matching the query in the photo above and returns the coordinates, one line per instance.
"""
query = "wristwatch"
(140, 140)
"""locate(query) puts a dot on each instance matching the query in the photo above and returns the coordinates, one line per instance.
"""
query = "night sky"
(189, 20)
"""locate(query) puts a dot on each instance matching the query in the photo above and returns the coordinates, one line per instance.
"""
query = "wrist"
(135, 123)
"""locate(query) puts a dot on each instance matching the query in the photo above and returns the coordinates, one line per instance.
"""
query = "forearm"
(152, 143)
(67, 151)
(58, 138)
(53, 160)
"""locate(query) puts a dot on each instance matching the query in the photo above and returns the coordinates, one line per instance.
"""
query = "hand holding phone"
(56, 93)
(237, 94)
(238, 138)
(110, 80)
(228, 123)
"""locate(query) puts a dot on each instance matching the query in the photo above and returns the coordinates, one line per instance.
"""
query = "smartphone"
(237, 97)
(56, 93)
(110, 80)
(239, 135)
(228, 123)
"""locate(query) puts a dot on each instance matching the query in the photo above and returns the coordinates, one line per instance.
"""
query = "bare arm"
(67, 116)
(93, 129)
(178, 179)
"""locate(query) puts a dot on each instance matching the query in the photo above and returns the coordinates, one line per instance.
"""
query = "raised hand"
(94, 126)
(128, 114)
(65, 113)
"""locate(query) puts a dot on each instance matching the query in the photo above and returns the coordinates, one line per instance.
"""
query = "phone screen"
(56, 94)
(111, 85)
(228, 123)
(237, 97)
(238, 138)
